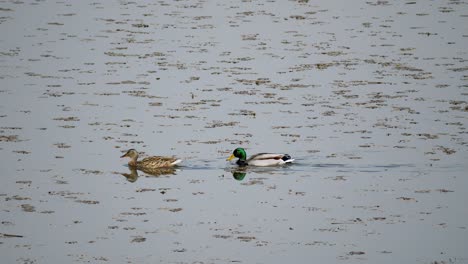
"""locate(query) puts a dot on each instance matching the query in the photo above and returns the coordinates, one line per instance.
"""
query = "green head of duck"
(238, 153)
(241, 154)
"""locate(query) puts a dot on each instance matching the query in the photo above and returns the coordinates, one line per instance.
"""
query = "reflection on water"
(239, 174)
(132, 176)
(157, 172)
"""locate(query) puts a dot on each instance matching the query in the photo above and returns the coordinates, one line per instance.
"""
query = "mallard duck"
(260, 159)
(149, 162)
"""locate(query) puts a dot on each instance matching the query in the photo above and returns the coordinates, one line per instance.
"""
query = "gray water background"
(369, 97)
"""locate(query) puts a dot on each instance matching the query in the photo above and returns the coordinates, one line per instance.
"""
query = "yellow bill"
(231, 157)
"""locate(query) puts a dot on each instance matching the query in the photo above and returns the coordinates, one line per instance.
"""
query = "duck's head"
(238, 153)
(131, 153)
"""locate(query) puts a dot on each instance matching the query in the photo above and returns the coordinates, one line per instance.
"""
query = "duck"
(149, 163)
(260, 159)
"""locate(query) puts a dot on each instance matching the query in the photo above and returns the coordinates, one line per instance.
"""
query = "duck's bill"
(124, 155)
(230, 157)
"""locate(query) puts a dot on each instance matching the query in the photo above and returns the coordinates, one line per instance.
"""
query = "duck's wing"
(266, 156)
(269, 159)
(158, 161)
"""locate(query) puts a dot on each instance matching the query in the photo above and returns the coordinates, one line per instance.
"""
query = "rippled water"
(369, 97)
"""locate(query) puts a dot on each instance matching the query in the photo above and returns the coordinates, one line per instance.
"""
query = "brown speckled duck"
(149, 162)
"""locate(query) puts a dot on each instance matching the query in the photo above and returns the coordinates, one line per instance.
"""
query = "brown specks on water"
(244, 112)
(133, 213)
(173, 210)
(222, 236)
(352, 253)
(17, 198)
(444, 190)
(28, 208)
(9, 138)
(436, 190)
(155, 104)
(446, 150)
(217, 123)
(246, 238)
(87, 171)
(22, 152)
(338, 178)
(10, 235)
(24, 183)
(62, 145)
(407, 199)
(253, 182)
(87, 201)
(145, 190)
(67, 119)
(138, 239)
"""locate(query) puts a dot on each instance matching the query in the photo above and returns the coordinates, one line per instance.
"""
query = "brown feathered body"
(149, 163)
(156, 162)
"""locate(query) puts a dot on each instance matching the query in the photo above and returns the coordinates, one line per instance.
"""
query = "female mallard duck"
(260, 159)
(150, 162)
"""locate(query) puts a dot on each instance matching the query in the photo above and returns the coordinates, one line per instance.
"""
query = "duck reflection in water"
(157, 172)
(239, 173)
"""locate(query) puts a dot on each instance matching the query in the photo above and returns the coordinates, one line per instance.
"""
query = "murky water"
(369, 97)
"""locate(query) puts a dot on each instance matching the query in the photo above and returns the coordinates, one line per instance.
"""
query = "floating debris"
(138, 240)
(28, 208)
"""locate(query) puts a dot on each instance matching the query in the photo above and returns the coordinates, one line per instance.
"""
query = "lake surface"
(369, 97)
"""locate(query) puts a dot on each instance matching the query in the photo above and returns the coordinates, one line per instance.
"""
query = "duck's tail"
(287, 158)
(176, 162)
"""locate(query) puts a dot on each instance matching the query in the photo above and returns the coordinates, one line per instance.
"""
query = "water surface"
(369, 97)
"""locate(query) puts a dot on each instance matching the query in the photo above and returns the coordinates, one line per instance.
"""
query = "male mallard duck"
(150, 162)
(260, 159)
